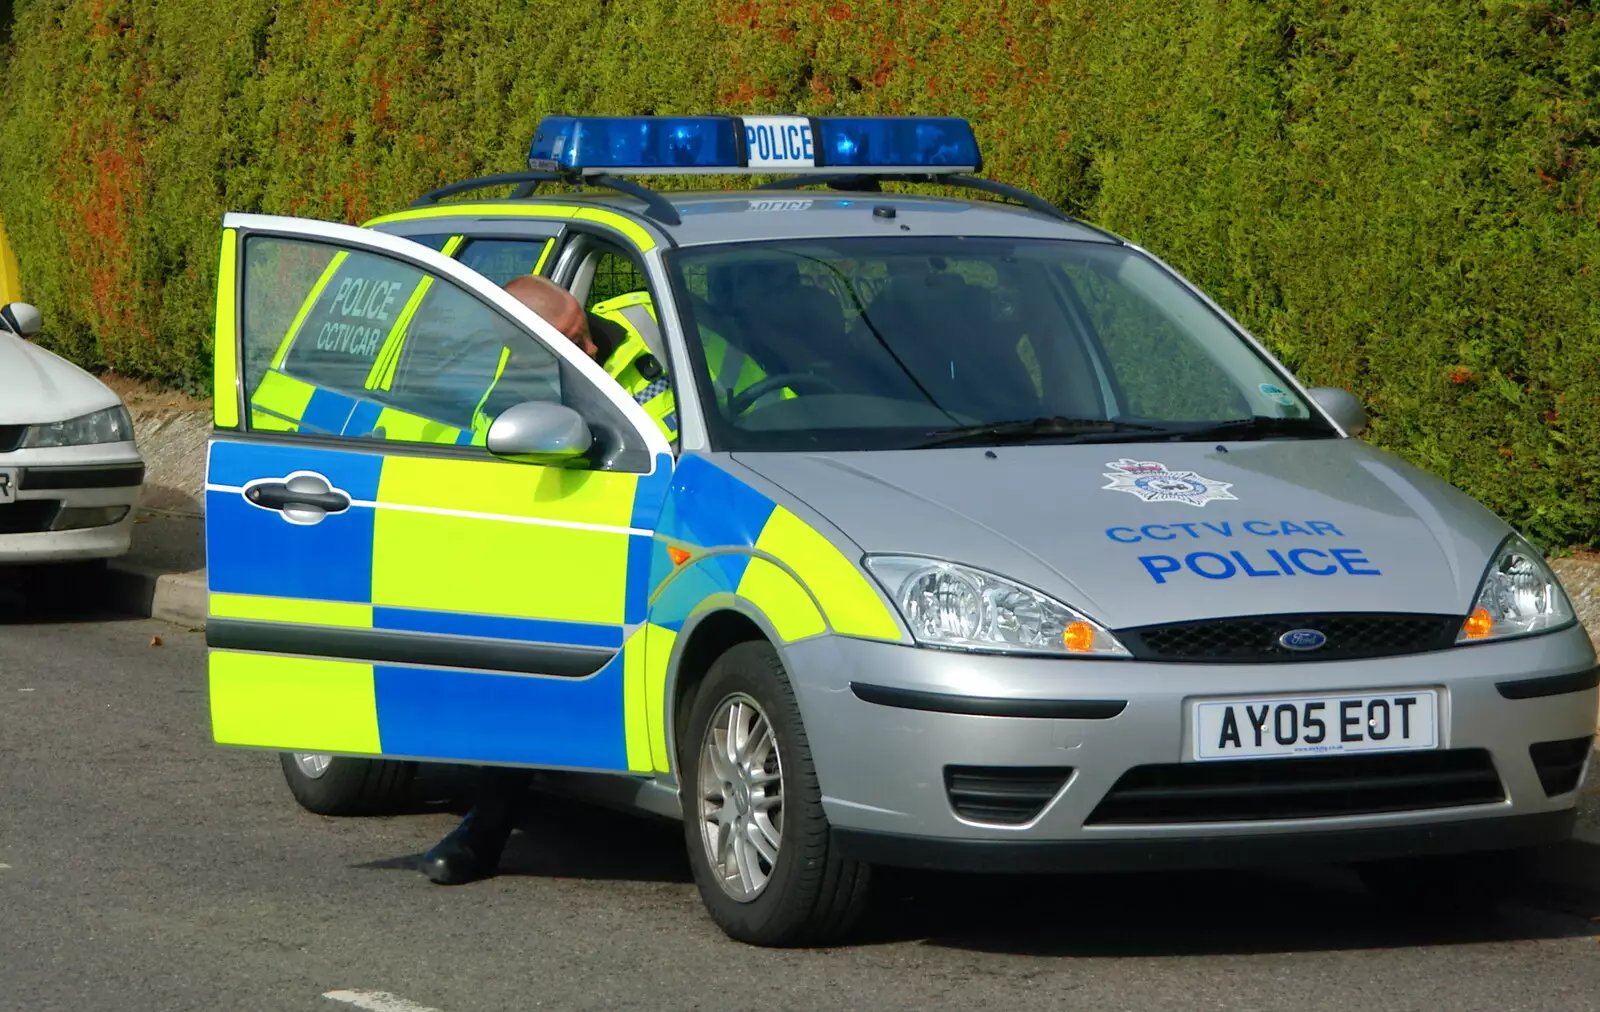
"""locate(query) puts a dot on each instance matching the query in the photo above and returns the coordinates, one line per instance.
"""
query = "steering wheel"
(739, 403)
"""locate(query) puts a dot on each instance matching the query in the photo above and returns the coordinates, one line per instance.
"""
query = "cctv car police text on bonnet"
(885, 573)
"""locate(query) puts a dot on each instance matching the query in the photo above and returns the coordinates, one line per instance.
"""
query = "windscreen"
(869, 343)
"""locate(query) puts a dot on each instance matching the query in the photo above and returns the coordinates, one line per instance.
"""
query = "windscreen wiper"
(1025, 430)
(1259, 427)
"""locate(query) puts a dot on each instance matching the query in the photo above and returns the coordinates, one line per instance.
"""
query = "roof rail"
(868, 182)
(656, 206)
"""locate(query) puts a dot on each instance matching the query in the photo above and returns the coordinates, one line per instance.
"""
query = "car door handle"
(306, 498)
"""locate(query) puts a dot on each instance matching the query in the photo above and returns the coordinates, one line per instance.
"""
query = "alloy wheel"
(741, 797)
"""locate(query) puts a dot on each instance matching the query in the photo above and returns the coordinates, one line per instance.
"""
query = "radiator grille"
(1254, 638)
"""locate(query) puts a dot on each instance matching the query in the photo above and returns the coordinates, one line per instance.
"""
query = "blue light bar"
(704, 145)
(873, 142)
(619, 143)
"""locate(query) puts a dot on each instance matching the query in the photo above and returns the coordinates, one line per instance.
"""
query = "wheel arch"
(722, 623)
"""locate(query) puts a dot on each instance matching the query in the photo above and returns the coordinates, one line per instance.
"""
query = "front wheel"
(758, 839)
(342, 785)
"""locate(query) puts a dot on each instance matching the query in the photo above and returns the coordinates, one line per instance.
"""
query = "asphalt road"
(141, 867)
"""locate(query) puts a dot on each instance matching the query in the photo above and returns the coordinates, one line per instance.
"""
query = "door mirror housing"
(1343, 407)
(21, 319)
(539, 432)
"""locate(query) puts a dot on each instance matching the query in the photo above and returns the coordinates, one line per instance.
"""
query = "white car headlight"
(948, 605)
(111, 425)
(1519, 596)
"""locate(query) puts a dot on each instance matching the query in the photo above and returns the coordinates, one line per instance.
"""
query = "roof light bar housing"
(712, 145)
(842, 152)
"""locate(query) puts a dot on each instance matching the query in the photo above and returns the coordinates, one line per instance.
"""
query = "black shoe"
(470, 852)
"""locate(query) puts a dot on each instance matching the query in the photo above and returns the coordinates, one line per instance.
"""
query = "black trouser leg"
(472, 850)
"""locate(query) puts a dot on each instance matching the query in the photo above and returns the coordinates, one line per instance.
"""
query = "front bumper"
(882, 765)
(62, 495)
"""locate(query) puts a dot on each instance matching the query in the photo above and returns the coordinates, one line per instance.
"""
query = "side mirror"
(539, 432)
(1343, 406)
(21, 319)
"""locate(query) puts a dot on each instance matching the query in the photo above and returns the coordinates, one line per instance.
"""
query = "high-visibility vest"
(633, 365)
(643, 376)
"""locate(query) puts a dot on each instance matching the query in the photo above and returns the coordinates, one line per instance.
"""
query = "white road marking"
(377, 1001)
(5, 867)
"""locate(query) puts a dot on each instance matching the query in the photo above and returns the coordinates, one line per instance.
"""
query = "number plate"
(1315, 725)
(8, 484)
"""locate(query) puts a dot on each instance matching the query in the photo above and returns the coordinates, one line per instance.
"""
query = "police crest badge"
(1151, 481)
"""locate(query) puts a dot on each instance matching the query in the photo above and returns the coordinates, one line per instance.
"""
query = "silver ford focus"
(934, 532)
(1163, 610)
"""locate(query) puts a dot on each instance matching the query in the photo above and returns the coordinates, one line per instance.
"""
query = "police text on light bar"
(705, 145)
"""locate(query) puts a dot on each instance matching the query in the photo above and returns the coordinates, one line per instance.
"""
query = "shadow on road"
(563, 838)
(1216, 913)
(43, 595)
(1148, 914)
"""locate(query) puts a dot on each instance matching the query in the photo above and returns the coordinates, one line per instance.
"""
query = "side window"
(461, 359)
(278, 275)
(344, 342)
(360, 303)
(500, 260)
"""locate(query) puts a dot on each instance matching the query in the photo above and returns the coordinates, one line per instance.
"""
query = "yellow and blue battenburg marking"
(744, 547)
(530, 621)
(510, 616)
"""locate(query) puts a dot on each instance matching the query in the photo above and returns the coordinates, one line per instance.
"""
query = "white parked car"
(69, 470)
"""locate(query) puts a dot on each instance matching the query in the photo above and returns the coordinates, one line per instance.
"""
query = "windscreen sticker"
(1151, 481)
(1277, 393)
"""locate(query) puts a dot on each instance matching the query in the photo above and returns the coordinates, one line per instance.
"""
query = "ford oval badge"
(1302, 639)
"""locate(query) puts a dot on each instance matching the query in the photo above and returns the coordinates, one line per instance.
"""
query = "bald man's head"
(557, 306)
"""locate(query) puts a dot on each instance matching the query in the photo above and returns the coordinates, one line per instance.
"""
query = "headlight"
(947, 605)
(109, 426)
(1519, 596)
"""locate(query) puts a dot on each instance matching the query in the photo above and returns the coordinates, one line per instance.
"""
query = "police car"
(958, 534)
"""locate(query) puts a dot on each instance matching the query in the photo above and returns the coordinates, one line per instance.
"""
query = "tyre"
(758, 840)
(340, 785)
(1447, 883)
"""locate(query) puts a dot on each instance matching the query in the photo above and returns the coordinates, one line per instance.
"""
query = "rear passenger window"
(614, 274)
(500, 260)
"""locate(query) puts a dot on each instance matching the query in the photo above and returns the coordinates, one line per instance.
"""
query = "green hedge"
(1399, 196)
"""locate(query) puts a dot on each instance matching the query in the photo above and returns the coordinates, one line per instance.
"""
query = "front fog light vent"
(1003, 795)
(1560, 763)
